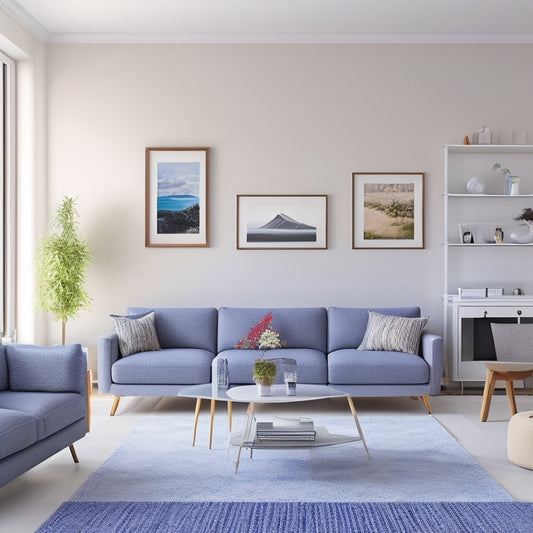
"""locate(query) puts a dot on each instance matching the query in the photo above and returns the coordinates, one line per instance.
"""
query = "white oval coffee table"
(304, 393)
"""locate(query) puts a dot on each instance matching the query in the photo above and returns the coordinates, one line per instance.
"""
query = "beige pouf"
(520, 439)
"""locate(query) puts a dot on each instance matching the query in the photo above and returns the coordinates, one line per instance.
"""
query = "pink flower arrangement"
(251, 340)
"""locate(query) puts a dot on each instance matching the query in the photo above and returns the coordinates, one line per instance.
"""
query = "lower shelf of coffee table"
(323, 438)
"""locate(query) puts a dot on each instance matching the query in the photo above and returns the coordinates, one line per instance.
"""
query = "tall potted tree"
(61, 262)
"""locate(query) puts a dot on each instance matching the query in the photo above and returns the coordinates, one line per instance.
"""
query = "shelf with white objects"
(473, 257)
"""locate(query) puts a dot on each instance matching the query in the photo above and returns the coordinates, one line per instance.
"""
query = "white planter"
(264, 390)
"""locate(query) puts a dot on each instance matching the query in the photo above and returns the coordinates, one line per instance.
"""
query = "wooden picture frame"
(177, 181)
(282, 222)
(388, 210)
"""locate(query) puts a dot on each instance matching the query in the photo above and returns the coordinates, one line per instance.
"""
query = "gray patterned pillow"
(393, 333)
(136, 333)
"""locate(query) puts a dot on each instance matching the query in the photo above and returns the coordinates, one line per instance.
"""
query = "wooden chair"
(508, 372)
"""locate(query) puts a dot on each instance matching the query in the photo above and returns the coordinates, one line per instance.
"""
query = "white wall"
(281, 119)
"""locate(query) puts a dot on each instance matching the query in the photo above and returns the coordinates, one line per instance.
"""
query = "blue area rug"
(248, 517)
(413, 459)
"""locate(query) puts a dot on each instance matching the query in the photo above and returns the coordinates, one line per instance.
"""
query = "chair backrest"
(181, 327)
(347, 325)
(301, 327)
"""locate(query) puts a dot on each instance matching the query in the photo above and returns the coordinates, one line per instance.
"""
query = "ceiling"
(416, 21)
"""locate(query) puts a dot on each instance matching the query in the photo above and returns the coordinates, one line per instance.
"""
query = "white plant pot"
(264, 390)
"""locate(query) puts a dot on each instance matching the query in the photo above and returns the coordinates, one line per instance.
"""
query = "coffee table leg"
(196, 413)
(230, 406)
(211, 422)
(246, 431)
(354, 414)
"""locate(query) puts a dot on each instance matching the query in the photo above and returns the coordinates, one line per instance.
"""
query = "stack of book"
(286, 432)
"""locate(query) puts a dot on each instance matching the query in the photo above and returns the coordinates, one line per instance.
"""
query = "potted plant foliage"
(61, 262)
(264, 372)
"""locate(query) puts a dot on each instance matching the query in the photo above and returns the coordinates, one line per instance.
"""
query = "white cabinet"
(468, 335)
(482, 262)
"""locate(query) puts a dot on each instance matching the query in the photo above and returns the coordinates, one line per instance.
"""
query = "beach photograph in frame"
(282, 222)
(388, 210)
(176, 197)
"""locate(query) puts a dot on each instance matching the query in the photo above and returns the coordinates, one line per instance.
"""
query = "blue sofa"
(323, 342)
(44, 404)
(188, 340)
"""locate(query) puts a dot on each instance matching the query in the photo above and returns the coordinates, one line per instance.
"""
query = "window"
(7, 196)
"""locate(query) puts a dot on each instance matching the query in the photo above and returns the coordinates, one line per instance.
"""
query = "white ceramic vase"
(264, 390)
(524, 238)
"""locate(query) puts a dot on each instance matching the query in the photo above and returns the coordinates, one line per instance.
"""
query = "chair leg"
(114, 406)
(509, 389)
(490, 383)
(427, 404)
(73, 453)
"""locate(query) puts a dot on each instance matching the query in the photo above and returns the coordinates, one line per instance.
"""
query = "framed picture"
(387, 210)
(176, 197)
(276, 222)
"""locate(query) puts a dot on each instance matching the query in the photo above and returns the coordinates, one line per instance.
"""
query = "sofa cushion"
(44, 368)
(17, 431)
(311, 365)
(53, 410)
(184, 327)
(4, 382)
(347, 325)
(300, 327)
(171, 366)
(393, 333)
(136, 333)
(356, 367)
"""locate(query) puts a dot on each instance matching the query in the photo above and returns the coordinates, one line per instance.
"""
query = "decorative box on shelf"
(486, 292)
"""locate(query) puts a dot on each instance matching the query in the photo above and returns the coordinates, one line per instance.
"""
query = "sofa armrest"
(432, 354)
(107, 353)
(47, 368)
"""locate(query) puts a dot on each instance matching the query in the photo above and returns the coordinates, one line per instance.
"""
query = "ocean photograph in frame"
(388, 210)
(282, 222)
(176, 197)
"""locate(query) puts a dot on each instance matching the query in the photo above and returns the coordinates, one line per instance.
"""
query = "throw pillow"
(393, 333)
(136, 333)
(251, 340)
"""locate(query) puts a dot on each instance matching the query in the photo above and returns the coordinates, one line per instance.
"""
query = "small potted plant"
(264, 372)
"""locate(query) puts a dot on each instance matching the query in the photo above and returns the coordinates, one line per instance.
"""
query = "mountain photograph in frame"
(276, 222)
(176, 204)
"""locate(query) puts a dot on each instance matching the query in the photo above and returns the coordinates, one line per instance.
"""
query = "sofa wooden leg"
(89, 395)
(425, 399)
(73, 453)
(114, 406)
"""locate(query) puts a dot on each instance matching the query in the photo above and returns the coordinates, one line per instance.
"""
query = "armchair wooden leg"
(114, 406)
(89, 395)
(425, 399)
(230, 409)
(73, 453)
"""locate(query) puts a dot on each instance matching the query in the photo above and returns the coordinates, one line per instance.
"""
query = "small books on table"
(299, 429)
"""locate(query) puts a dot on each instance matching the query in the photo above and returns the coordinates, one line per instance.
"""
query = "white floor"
(27, 501)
